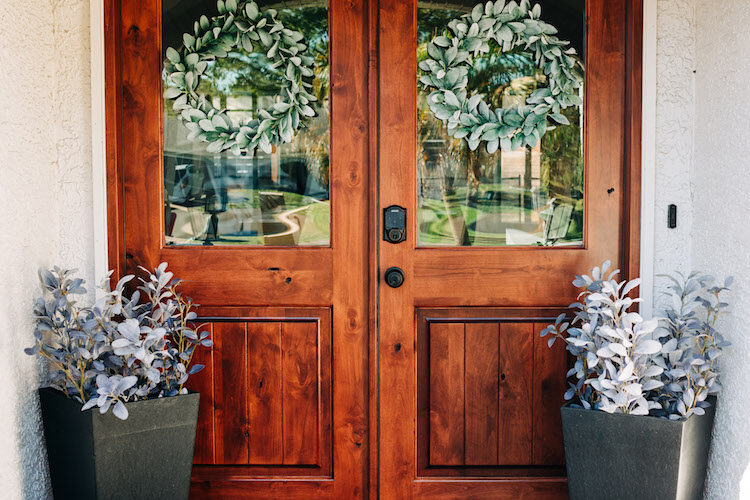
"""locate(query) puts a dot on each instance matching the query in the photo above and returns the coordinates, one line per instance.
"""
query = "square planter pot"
(616, 456)
(94, 456)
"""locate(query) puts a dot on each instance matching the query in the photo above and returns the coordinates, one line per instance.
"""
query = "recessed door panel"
(266, 390)
(488, 393)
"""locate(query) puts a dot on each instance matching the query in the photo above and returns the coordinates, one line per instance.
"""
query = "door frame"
(107, 165)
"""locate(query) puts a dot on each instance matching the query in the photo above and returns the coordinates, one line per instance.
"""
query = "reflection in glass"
(531, 196)
(280, 198)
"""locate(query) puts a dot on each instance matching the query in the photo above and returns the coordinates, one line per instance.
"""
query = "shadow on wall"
(729, 469)
(30, 439)
(23, 461)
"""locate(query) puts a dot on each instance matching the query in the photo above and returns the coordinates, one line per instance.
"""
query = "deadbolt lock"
(394, 224)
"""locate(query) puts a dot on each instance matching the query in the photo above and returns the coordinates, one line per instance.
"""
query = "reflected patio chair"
(187, 224)
(280, 227)
(557, 222)
(556, 217)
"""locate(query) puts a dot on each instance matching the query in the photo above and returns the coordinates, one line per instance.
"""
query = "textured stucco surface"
(702, 160)
(675, 125)
(703, 155)
(45, 201)
(721, 226)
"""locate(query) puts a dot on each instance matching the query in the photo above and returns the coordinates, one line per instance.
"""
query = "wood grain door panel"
(266, 391)
(488, 393)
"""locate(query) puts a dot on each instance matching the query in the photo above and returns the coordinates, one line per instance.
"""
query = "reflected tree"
(504, 79)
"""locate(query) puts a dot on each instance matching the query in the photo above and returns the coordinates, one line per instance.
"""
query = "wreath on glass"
(511, 25)
(240, 24)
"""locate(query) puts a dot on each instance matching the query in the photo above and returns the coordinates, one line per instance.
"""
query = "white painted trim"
(98, 139)
(648, 157)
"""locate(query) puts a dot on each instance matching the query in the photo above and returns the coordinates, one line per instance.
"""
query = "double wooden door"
(325, 380)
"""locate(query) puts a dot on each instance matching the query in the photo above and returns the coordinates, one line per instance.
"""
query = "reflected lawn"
(254, 217)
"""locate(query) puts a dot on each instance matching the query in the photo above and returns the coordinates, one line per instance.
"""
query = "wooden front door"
(273, 247)
(469, 392)
(325, 381)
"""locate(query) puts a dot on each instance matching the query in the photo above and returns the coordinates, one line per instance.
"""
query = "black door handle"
(394, 277)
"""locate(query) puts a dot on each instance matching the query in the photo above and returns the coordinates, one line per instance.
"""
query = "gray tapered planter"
(94, 456)
(620, 457)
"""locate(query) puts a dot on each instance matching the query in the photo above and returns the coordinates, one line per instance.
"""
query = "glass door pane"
(528, 196)
(274, 197)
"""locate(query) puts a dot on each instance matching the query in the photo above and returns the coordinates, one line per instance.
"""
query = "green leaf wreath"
(511, 25)
(240, 24)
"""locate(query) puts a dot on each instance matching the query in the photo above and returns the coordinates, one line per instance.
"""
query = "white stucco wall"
(721, 225)
(675, 125)
(45, 202)
(702, 159)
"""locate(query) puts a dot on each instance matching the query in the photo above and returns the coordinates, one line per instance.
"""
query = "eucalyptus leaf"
(188, 40)
(477, 12)
(441, 41)
(265, 38)
(204, 24)
(172, 93)
(451, 99)
(192, 59)
(173, 55)
(251, 10)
